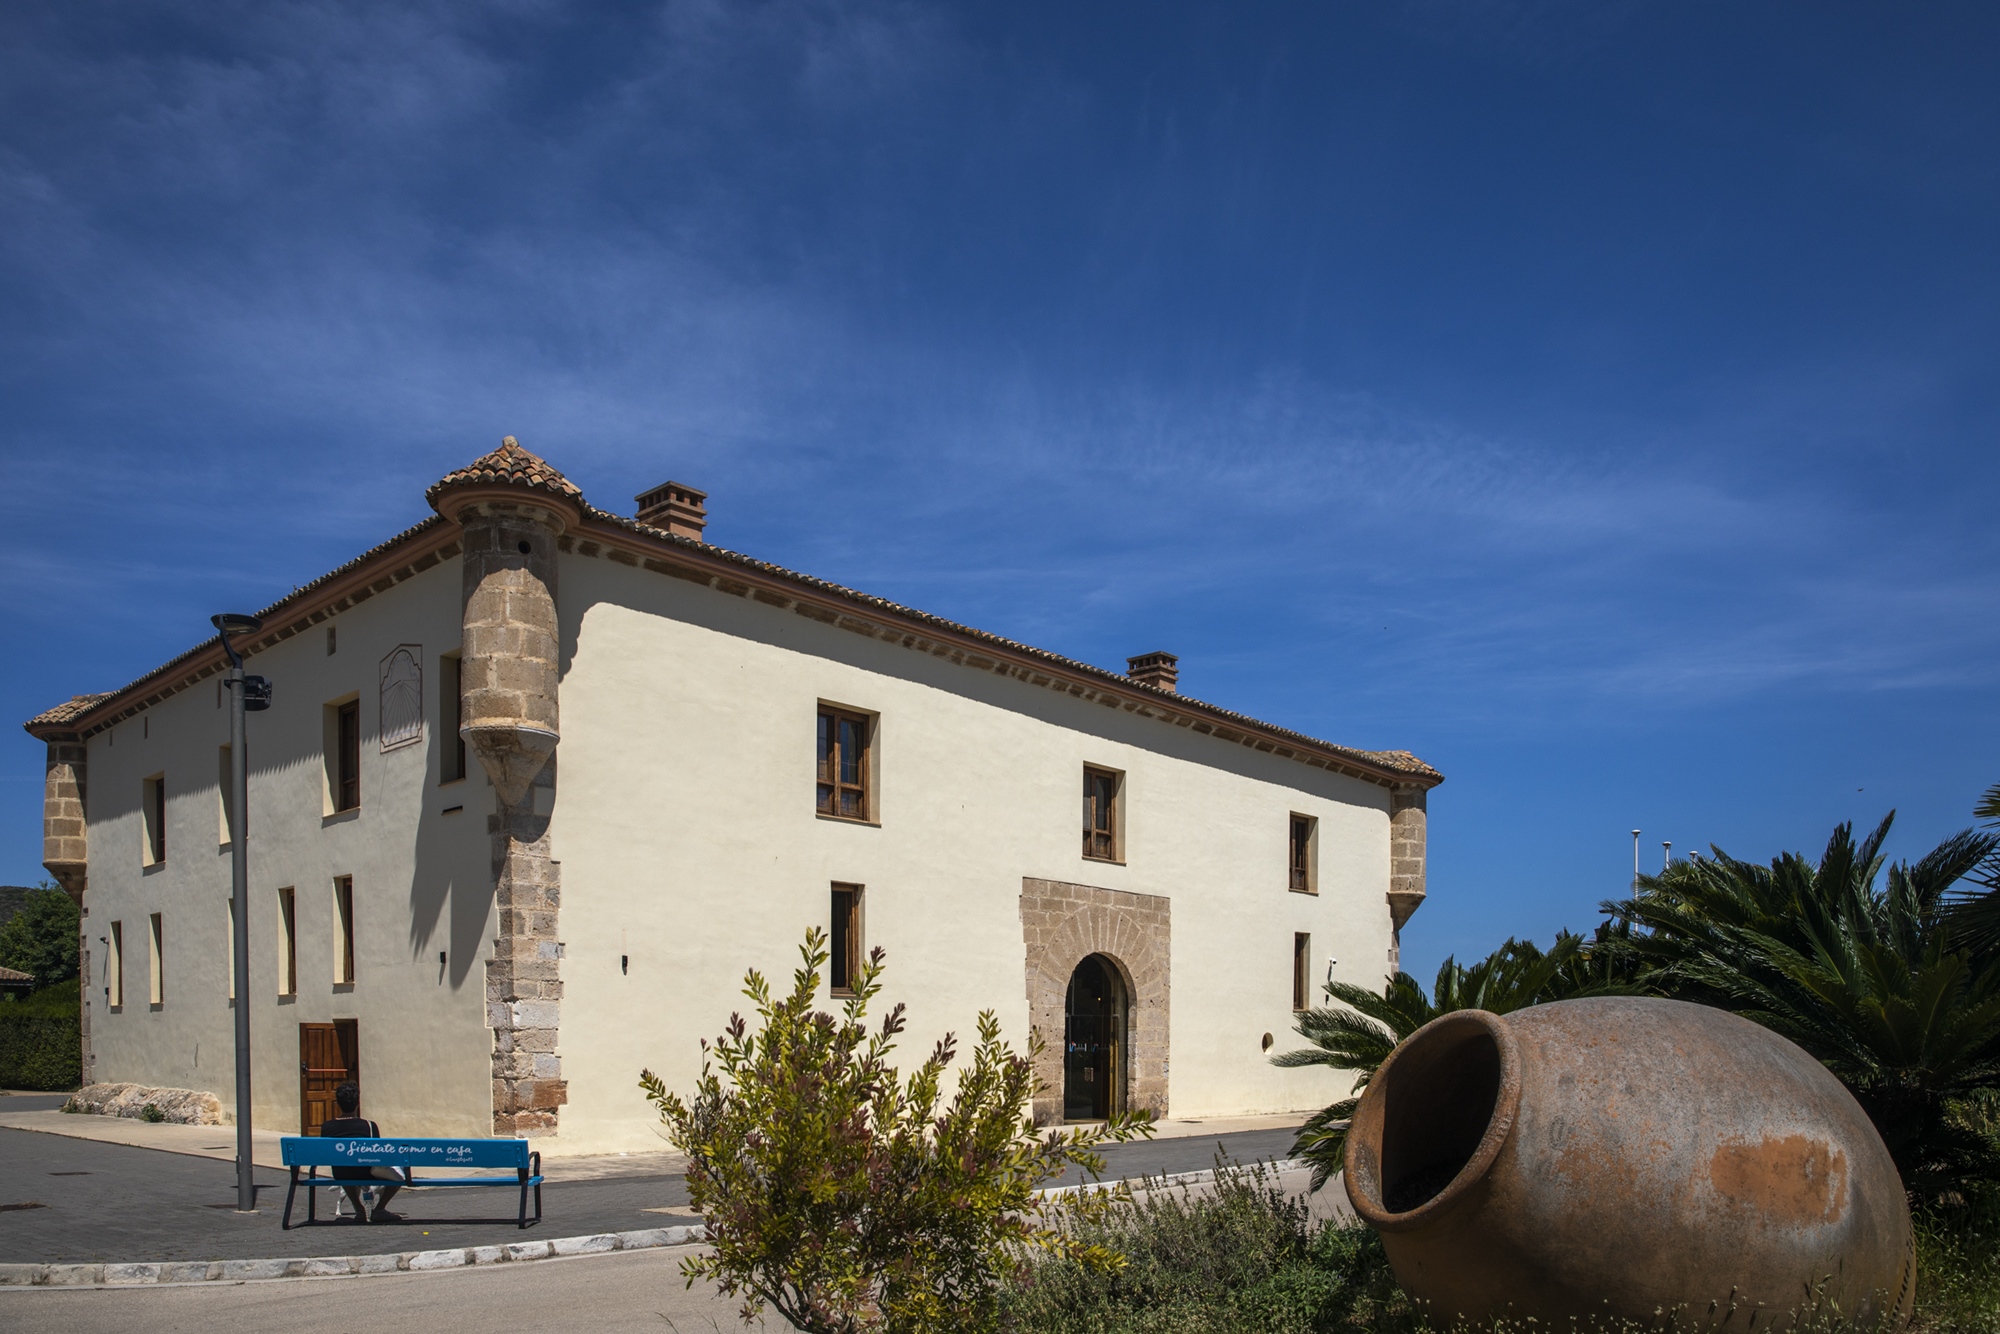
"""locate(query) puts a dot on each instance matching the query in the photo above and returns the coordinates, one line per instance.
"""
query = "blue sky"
(1596, 399)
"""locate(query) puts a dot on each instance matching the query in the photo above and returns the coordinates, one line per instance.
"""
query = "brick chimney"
(1161, 670)
(681, 510)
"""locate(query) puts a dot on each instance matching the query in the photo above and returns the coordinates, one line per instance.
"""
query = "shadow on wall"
(445, 875)
(287, 759)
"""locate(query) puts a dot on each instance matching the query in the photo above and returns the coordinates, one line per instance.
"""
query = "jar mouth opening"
(1433, 1118)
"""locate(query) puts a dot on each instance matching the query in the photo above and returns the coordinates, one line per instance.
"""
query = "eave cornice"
(597, 533)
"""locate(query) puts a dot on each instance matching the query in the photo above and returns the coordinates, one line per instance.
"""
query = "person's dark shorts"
(394, 1174)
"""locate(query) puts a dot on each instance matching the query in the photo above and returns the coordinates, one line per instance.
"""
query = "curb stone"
(179, 1272)
(175, 1273)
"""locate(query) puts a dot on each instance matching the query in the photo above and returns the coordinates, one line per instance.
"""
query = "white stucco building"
(540, 782)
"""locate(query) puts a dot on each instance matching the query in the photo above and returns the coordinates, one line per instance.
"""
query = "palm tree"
(1360, 1037)
(1870, 979)
(1974, 914)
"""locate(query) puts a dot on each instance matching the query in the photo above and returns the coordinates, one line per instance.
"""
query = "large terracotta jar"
(1632, 1159)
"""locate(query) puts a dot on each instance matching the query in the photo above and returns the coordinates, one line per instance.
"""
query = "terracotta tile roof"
(512, 465)
(509, 465)
(69, 711)
(14, 977)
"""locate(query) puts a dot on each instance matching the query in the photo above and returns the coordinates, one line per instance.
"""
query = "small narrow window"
(845, 964)
(1101, 834)
(288, 942)
(155, 816)
(342, 741)
(343, 931)
(114, 968)
(332, 643)
(451, 710)
(1302, 948)
(225, 789)
(843, 764)
(1304, 861)
(156, 990)
(350, 755)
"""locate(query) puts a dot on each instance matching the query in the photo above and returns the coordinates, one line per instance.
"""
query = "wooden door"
(329, 1056)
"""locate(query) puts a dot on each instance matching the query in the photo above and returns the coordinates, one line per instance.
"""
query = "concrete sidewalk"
(219, 1142)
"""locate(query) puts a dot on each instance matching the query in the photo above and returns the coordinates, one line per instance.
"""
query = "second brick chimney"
(1161, 670)
(681, 510)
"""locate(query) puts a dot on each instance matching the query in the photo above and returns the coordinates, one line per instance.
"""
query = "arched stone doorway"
(1097, 1016)
(1065, 924)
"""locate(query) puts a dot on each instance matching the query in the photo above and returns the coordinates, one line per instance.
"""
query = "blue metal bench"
(313, 1152)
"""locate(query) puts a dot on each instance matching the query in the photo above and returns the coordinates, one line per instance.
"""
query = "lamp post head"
(235, 623)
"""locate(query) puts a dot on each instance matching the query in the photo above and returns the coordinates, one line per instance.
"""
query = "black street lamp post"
(246, 693)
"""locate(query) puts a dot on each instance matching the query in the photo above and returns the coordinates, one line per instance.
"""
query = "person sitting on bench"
(349, 1126)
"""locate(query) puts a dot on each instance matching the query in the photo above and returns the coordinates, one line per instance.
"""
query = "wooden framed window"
(288, 942)
(156, 983)
(343, 931)
(1302, 948)
(844, 965)
(341, 741)
(844, 763)
(1103, 836)
(114, 967)
(451, 711)
(155, 815)
(1304, 855)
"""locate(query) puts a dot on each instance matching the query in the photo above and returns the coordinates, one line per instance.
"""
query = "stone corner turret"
(511, 507)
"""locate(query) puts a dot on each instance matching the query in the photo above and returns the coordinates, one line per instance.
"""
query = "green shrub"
(1242, 1256)
(41, 939)
(851, 1199)
(41, 1039)
(1245, 1257)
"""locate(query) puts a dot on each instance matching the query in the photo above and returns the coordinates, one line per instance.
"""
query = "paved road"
(605, 1294)
(112, 1202)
